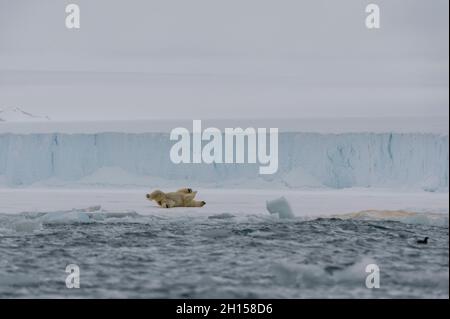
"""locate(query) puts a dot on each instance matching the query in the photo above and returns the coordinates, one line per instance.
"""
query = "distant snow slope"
(432, 124)
(16, 114)
(394, 160)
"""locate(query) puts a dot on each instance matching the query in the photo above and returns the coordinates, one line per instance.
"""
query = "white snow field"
(237, 202)
(81, 206)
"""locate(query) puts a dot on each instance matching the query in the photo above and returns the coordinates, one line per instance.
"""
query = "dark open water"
(222, 256)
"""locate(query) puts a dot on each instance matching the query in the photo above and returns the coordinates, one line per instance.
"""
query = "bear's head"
(156, 195)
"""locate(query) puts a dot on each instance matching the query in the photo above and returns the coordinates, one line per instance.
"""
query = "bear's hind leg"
(195, 203)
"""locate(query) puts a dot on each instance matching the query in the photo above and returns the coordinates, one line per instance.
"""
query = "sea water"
(220, 256)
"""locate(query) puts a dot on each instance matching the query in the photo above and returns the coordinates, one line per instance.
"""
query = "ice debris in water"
(78, 215)
(221, 216)
(90, 209)
(216, 233)
(290, 274)
(18, 224)
(75, 215)
(281, 207)
(66, 218)
(27, 226)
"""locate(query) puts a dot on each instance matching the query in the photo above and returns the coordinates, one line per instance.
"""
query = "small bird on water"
(424, 241)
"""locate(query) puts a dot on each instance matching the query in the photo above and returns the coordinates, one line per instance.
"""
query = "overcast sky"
(143, 59)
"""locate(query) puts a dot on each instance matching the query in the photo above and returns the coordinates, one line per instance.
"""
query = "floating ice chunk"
(355, 273)
(216, 233)
(12, 225)
(290, 274)
(89, 209)
(221, 216)
(8, 279)
(66, 218)
(434, 219)
(75, 215)
(112, 215)
(27, 226)
(281, 207)
(285, 274)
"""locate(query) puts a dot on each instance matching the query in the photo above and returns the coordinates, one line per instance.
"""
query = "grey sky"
(203, 59)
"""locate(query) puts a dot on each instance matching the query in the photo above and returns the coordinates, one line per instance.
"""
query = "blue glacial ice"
(406, 160)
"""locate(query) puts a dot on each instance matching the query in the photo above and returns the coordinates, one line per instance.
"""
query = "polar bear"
(183, 197)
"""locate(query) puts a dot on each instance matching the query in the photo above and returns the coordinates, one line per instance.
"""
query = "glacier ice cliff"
(407, 160)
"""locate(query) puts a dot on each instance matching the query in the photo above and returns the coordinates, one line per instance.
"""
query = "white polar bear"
(181, 198)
